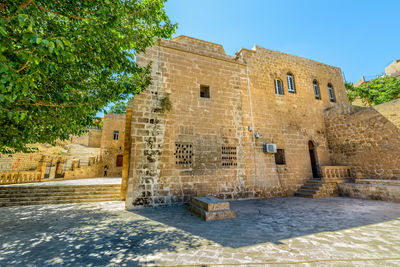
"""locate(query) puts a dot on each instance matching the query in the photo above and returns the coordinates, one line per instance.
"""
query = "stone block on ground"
(211, 208)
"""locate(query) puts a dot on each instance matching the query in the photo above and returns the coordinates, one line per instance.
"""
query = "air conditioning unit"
(269, 148)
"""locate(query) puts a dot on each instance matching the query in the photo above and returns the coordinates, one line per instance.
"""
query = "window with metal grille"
(280, 157)
(278, 87)
(116, 135)
(331, 94)
(204, 91)
(228, 156)
(120, 160)
(290, 81)
(183, 154)
(316, 90)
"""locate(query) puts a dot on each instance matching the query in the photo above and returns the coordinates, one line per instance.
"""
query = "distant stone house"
(393, 69)
(112, 144)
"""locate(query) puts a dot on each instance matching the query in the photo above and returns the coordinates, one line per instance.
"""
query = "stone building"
(91, 139)
(223, 110)
(112, 143)
(393, 69)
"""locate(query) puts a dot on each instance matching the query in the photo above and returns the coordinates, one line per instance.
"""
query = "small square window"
(280, 157)
(116, 135)
(204, 91)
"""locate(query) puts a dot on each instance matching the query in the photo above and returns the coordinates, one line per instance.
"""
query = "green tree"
(376, 91)
(63, 61)
(118, 108)
(351, 91)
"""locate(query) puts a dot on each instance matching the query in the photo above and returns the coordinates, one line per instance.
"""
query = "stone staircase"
(81, 152)
(38, 195)
(211, 208)
(316, 188)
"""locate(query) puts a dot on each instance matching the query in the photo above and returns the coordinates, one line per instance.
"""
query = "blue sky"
(360, 37)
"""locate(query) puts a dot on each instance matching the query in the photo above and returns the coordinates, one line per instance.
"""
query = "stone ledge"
(370, 191)
(378, 181)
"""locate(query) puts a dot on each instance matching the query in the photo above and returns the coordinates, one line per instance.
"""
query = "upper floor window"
(116, 135)
(316, 90)
(204, 91)
(331, 94)
(278, 87)
(290, 81)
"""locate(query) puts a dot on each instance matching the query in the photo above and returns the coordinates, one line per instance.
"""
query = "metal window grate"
(228, 156)
(184, 154)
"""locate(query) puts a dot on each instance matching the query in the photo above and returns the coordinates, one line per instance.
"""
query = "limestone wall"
(367, 139)
(19, 161)
(95, 137)
(377, 190)
(289, 120)
(202, 146)
(90, 139)
(90, 171)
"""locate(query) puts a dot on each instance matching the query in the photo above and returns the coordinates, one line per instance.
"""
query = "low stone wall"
(90, 171)
(20, 177)
(387, 190)
(19, 162)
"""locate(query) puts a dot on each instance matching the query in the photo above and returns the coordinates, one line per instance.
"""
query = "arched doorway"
(313, 159)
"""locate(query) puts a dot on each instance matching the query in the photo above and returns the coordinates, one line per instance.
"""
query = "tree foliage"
(63, 61)
(118, 108)
(376, 91)
(351, 91)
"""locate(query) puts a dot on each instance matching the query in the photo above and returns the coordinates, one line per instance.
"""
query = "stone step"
(302, 194)
(313, 182)
(310, 187)
(47, 202)
(53, 187)
(42, 194)
(311, 191)
(210, 203)
(56, 189)
(211, 215)
(52, 193)
(51, 198)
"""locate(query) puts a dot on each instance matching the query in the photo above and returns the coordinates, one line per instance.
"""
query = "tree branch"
(23, 67)
(58, 13)
(25, 4)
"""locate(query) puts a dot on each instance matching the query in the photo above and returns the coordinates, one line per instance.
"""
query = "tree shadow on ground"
(276, 219)
(62, 235)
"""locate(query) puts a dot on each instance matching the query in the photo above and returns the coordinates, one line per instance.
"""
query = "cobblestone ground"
(309, 232)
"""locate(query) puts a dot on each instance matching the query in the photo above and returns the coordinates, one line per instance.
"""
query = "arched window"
(316, 90)
(331, 93)
(290, 81)
(278, 87)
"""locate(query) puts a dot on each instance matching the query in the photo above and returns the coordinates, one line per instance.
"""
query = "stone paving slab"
(88, 181)
(279, 231)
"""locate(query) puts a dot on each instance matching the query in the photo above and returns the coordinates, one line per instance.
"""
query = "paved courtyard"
(309, 232)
